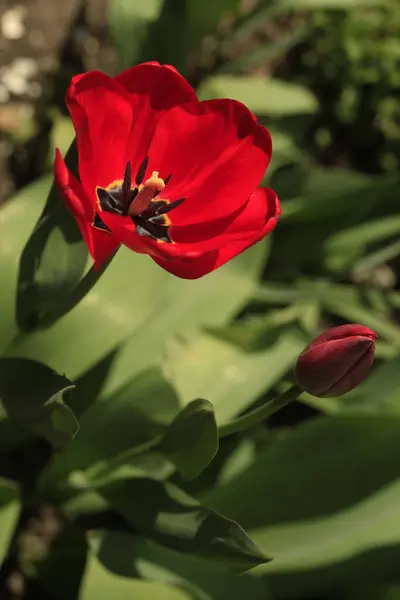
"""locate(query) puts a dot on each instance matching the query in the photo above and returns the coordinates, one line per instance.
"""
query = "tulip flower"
(165, 174)
(336, 361)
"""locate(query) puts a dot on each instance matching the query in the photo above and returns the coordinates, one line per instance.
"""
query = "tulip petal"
(101, 244)
(156, 87)
(237, 238)
(217, 154)
(114, 119)
(102, 115)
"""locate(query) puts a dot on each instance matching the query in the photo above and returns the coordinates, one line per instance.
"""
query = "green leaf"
(9, 508)
(52, 261)
(340, 479)
(129, 22)
(257, 333)
(265, 52)
(32, 394)
(138, 303)
(379, 392)
(17, 220)
(327, 193)
(133, 556)
(262, 95)
(344, 247)
(100, 584)
(205, 366)
(134, 415)
(191, 441)
(346, 302)
(170, 517)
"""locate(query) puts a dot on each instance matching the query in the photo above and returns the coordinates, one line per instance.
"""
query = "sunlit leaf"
(101, 584)
(233, 377)
(349, 463)
(133, 556)
(262, 95)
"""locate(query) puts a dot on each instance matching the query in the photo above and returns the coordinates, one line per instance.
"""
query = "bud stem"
(259, 414)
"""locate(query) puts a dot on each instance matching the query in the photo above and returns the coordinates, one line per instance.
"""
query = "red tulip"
(163, 173)
(336, 361)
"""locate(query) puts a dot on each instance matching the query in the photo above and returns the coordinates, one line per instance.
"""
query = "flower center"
(138, 203)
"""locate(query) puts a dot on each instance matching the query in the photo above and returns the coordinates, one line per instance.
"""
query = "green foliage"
(149, 502)
(351, 61)
(191, 441)
(32, 394)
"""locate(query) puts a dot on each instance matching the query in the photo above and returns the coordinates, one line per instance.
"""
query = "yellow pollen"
(148, 189)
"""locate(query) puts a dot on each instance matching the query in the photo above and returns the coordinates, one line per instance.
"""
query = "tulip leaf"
(52, 261)
(350, 521)
(17, 221)
(136, 414)
(233, 378)
(262, 95)
(191, 441)
(133, 556)
(380, 392)
(143, 311)
(32, 394)
(101, 584)
(170, 517)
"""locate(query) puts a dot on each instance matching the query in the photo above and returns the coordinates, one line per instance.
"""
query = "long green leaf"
(169, 516)
(340, 479)
(133, 556)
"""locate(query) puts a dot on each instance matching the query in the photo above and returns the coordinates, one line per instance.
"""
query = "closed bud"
(336, 361)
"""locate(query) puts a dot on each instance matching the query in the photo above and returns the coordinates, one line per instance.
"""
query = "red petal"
(189, 267)
(160, 87)
(260, 210)
(253, 221)
(342, 332)
(217, 154)
(103, 116)
(242, 234)
(114, 119)
(101, 244)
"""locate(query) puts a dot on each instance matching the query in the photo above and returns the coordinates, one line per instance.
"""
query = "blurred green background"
(317, 486)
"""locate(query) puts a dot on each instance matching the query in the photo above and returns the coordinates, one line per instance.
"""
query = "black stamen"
(166, 181)
(167, 207)
(110, 201)
(126, 186)
(142, 170)
(98, 223)
(157, 231)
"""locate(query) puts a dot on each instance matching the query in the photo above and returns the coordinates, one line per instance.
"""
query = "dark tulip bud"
(336, 361)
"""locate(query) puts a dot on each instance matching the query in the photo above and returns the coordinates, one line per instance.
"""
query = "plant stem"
(259, 414)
